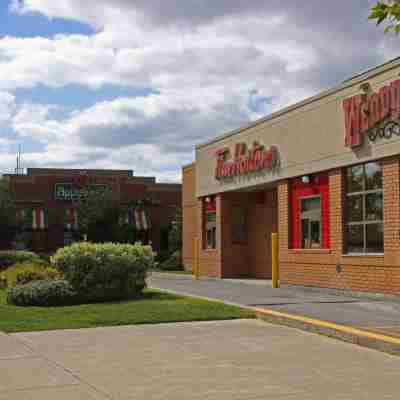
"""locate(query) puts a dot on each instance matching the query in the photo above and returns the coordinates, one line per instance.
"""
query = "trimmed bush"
(43, 294)
(174, 263)
(11, 257)
(20, 274)
(105, 271)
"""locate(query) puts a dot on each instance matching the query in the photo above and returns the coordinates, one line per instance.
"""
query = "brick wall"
(210, 260)
(330, 268)
(251, 258)
(262, 223)
(235, 256)
(333, 268)
(36, 190)
(189, 212)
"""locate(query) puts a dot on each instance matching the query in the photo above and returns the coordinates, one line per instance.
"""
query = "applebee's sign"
(375, 115)
(246, 161)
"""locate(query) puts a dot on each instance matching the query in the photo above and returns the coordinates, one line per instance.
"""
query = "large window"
(364, 209)
(310, 222)
(210, 214)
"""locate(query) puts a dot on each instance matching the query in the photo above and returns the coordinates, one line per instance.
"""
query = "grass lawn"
(154, 307)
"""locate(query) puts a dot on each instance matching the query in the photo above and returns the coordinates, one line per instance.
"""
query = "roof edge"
(367, 74)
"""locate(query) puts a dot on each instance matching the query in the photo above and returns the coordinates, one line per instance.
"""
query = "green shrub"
(43, 294)
(11, 257)
(173, 263)
(19, 274)
(105, 271)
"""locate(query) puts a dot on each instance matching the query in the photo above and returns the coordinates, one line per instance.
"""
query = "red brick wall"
(189, 211)
(262, 223)
(210, 260)
(330, 268)
(37, 191)
(251, 258)
(379, 274)
(235, 256)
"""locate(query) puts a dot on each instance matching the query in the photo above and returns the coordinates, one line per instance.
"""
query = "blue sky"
(35, 24)
(137, 84)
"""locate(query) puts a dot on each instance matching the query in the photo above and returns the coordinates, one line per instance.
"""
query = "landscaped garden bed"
(91, 285)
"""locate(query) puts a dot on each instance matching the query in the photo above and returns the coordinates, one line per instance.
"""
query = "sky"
(136, 84)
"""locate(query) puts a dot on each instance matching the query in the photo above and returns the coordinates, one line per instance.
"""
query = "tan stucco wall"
(309, 136)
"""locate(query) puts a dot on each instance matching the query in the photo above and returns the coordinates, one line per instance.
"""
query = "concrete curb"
(376, 341)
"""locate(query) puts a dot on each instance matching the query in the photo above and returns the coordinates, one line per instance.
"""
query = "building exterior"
(323, 173)
(47, 204)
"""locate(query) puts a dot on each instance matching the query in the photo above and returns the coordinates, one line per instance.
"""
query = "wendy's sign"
(246, 161)
(375, 114)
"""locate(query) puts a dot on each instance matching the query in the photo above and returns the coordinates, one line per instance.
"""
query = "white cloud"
(7, 106)
(206, 62)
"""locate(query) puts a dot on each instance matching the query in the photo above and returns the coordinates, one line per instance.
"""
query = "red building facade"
(47, 204)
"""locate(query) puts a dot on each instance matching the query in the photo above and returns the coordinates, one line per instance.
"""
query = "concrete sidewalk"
(225, 360)
(381, 317)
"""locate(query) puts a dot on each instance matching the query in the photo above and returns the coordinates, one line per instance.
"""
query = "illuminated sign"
(375, 115)
(246, 161)
(68, 192)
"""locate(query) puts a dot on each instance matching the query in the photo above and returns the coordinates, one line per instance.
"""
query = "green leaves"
(388, 12)
(106, 271)
(8, 226)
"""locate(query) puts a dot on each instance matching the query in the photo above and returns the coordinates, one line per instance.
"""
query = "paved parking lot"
(370, 314)
(235, 360)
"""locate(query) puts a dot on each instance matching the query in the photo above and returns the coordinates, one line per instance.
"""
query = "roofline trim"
(368, 74)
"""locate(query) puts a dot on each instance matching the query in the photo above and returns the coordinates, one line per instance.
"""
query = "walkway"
(227, 360)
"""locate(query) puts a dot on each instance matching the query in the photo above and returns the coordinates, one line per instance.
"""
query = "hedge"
(11, 257)
(43, 293)
(26, 272)
(107, 271)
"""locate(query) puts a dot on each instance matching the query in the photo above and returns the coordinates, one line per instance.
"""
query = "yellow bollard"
(275, 261)
(196, 259)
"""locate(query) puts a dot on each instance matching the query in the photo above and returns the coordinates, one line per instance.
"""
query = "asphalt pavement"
(365, 313)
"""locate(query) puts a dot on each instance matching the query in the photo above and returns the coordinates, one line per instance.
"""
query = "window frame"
(364, 222)
(301, 199)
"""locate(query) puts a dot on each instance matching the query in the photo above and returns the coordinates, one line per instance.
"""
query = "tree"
(175, 234)
(100, 216)
(8, 213)
(389, 12)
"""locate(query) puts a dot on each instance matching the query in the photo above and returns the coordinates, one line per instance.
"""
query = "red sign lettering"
(363, 113)
(246, 161)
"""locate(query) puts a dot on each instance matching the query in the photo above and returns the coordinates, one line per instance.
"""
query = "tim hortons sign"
(246, 161)
(373, 114)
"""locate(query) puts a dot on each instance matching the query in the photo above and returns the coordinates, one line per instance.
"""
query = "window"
(310, 222)
(309, 210)
(364, 209)
(210, 214)
(239, 225)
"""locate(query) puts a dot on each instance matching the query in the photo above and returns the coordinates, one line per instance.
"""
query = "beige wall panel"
(309, 136)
